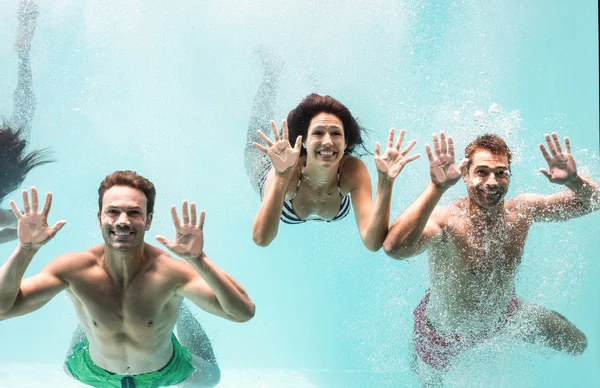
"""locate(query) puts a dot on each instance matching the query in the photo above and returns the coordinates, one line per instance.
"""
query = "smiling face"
(123, 219)
(325, 142)
(488, 178)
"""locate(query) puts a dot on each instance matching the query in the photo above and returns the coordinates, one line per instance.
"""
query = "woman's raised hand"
(281, 153)
(393, 160)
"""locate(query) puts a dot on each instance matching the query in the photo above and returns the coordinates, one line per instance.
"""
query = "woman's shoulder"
(353, 172)
(351, 166)
(351, 163)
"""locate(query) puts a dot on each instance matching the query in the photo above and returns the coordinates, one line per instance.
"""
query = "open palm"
(393, 160)
(442, 165)
(281, 153)
(32, 227)
(561, 165)
(189, 238)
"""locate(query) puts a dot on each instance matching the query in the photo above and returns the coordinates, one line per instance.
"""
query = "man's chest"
(141, 304)
(488, 251)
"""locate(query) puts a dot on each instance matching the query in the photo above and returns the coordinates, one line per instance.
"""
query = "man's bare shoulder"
(444, 214)
(522, 205)
(169, 265)
(71, 262)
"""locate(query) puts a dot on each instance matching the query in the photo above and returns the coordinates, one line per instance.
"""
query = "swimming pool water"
(167, 90)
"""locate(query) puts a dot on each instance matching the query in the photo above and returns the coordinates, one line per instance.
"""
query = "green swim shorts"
(83, 369)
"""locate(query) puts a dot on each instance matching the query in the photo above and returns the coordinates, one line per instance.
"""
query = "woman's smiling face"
(325, 142)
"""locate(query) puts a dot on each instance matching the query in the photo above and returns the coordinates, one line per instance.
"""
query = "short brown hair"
(491, 142)
(131, 179)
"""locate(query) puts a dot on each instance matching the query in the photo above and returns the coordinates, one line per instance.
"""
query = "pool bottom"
(51, 376)
(20, 375)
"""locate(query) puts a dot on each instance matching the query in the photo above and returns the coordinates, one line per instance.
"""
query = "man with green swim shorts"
(127, 294)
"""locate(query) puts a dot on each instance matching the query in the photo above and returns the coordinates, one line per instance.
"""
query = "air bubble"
(495, 108)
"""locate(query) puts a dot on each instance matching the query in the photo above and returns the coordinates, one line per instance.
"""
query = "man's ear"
(99, 220)
(465, 172)
(148, 221)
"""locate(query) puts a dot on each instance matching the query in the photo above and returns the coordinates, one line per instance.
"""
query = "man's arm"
(416, 228)
(20, 297)
(421, 224)
(583, 196)
(208, 286)
(215, 291)
(33, 232)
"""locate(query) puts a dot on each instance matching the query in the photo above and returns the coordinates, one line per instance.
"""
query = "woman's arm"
(284, 159)
(8, 226)
(373, 219)
(8, 235)
(7, 219)
(266, 223)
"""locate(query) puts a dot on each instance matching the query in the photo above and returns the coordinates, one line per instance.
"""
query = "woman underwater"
(14, 163)
(318, 177)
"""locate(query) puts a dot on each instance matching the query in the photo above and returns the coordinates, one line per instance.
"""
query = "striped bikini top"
(288, 215)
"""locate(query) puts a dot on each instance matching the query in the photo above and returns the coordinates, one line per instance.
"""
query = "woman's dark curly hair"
(14, 166)
(299, 120)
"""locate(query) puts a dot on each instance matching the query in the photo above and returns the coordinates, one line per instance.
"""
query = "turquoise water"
(167, 90)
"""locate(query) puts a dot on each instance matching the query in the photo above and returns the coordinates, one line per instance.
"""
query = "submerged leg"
(192, 336)
(78, 336)
(24, 99)
(427, 376)
(263, 110)
(541, 326)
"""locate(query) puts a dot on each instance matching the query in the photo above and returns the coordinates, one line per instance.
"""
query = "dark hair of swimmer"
(130, 179)
(493, 143)
(299, 120)
(14, 164)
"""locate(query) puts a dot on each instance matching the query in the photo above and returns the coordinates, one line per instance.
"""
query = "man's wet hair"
(299, 120)
(491, 142)
(130, 179)
(15, 164)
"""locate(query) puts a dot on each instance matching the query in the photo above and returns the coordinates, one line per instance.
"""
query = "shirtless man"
(126, 293)
(475, 245)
